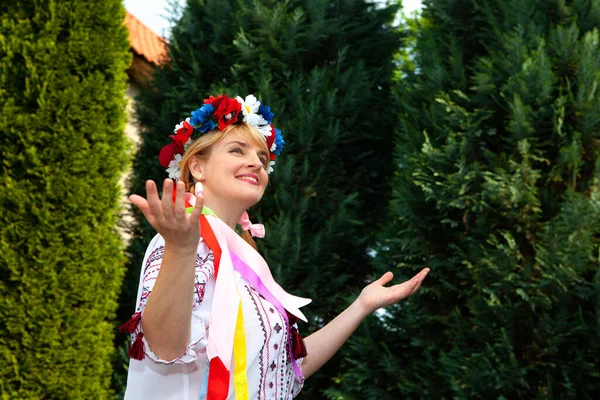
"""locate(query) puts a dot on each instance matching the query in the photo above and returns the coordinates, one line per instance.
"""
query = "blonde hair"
(201, 148)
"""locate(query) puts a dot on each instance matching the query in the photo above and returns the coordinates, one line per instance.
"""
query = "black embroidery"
(264, 329)
(156, 255)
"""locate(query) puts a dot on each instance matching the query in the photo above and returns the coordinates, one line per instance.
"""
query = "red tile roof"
(144, 41)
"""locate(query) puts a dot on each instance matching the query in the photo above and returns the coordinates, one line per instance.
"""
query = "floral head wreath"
(218, 113)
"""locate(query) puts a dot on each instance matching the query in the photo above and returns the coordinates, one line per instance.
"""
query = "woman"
(215, 324)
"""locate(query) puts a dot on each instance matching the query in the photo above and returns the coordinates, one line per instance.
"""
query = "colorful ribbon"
(240, 380)
(227, 342)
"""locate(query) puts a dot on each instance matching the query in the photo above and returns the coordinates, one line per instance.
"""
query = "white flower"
(250, 107)
(273, 146)
(271, 163)
(265, 130)
(180, 125)
(174, 167)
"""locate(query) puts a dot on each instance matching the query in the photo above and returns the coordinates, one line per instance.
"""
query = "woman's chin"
(248, 198)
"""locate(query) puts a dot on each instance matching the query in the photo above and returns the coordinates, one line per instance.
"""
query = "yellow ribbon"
(240, 380)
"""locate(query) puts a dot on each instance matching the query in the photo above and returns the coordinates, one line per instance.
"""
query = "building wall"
(131, 129)
(132, 132)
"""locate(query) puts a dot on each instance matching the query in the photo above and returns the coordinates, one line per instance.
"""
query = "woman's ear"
(197, 169)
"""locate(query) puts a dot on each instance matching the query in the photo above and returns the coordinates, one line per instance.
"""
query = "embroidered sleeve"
(150, 269)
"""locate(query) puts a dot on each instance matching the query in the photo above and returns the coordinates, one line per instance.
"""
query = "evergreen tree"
(63, 150)
(325, 70)
(497, 190)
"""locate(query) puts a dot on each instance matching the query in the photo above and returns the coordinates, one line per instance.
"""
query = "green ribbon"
(205, 211)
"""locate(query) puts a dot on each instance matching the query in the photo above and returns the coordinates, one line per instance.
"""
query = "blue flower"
(200, 116)
(279, 142)
(208, 126)
(265, 111)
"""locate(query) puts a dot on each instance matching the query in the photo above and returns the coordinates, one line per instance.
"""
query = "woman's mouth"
(252, 179)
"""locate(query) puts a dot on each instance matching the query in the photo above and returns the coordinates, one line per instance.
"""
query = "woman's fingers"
(167, 199)
(419, 279)
(169, 217)
(140, 203)
(405, 289)
(144, 207)
(385, 278)
(180, 213)
(153, 200)
(197, 212)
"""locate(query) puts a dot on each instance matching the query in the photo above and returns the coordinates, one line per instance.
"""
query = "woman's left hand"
(376, 295)
(323, 344)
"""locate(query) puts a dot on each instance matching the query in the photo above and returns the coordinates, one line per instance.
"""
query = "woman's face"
(234, 172)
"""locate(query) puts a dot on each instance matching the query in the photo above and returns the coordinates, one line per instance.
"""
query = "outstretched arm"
(323, 344)
(167, 317)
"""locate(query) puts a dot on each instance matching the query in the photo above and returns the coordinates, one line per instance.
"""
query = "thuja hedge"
(63, 149)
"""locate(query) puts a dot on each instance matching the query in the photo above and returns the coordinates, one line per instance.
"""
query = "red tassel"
(292, 318)
(298, 346)
(136, 350)
(131, 325)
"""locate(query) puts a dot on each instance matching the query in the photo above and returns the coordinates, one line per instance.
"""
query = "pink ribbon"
(252, 277)
(226, 298)
(256, 230)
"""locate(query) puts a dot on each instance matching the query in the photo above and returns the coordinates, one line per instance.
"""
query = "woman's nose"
(255, 161)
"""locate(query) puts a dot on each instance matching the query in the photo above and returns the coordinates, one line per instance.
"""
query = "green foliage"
(325, 70)
(496, 190)
(63, 150)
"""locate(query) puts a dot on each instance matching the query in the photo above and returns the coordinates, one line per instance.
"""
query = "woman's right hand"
(169, 217)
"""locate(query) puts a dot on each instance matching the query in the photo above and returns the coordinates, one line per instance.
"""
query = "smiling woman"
(211, 321)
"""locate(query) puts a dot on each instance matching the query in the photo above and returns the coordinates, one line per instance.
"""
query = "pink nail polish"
(199, 189)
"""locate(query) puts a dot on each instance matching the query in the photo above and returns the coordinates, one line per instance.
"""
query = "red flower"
(168, 152)
(271, 139)
(183, 134)
(226, 110)
(212, 100)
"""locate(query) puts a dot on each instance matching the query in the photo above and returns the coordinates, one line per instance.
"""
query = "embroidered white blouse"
(269, 370)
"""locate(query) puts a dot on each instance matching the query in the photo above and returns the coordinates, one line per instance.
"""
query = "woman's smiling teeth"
(251, 179)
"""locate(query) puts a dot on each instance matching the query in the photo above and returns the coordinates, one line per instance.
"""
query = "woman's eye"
(236, 150)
